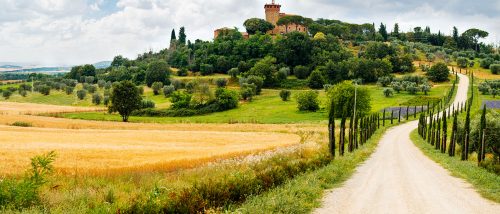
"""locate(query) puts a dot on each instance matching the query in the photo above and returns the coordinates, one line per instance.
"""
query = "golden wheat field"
(109, 147)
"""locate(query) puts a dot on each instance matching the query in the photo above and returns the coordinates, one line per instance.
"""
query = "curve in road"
(399, 178)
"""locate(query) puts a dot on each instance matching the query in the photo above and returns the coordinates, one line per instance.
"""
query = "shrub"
(22, 124)
(157, 86)
(101, 83)
(23, 93)
(234, 72)
(426, 88)
(285, 95)
(301, 72)
(462, 62)
(316, 80)
(283, 73)
(439, 72)
(24, 194)
(221, 82)
(89, 79)
(385, 81)
(147, 104)
(69, 90)
(226, 99)
(388, 92)
(247, 91)
(81, 94)
(168, 90)
(206, 69)
(178, 84)
(191, 86)
(397, 86)
(308, 101)
(96, 98)
(495, 68)
(412, 88)
(484, 88)
(106, 100)
(257, 81)
(25, 87)
(108, 85)
(182, 72)
(91, 88)
(485, 63)
(44, 89)
(6, 94)
(180, 100)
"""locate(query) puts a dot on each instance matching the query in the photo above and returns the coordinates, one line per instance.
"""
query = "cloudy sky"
(68, 32)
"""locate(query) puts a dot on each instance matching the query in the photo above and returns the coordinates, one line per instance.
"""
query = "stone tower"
(273, 15)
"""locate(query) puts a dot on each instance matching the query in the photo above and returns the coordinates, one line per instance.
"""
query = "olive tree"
(125, 99)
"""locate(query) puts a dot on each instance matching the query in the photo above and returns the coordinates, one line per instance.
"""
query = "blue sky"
(68, 32)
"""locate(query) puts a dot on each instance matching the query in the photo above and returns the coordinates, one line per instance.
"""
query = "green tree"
(158, 71)
(474, 35)
(255, 25)
(293, 49)
(316, 80)
(125, 99)
(172, 35)
(285, 95)
(266, 69)
(383, 31)
(342, 95)
(308, 101)
(157, 86)
(182, 36)
(439, 72)
(395, 32)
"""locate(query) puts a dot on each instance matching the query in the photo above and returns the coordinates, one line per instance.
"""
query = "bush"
(89, 80)
(91, 88)
(106, 100)
(25, 193)
(257, 81)
(23, 93)
(101, 83)
(285, 95)
(81, 94)
(495, 68)
(157, 86)
(301, 72)
(226, 99)
(147, 104)
(69, 90)
(180, 100)
(247, 91)
(206, 69)
(158, 71)
(221, 82)
(388, 92)
(182, 72)
(385, 81)
(191, 86)
(283, 74)
(439, 72)
(6, 94)
(168, 90)
(316, 80)
(108, 85)
(22, 124)
(484, 88)
(485, 63)
(234, 72)
(44, 89)
(308, 101)
(412, 88)
(178, 84)
(25, 87)
(96, 98)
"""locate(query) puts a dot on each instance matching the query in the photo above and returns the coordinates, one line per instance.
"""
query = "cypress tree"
(331, 128)
(383, 119)
(407, 112)
(465, 152)
(172, 35)
(342, 135)
(392, 116)
(438, 134)
(451, 150)
(445, 133)
(399, 119)
(378, 120)
(481, 155)
(428, 107)
(350, 147)
(356, 131)
(415, 112)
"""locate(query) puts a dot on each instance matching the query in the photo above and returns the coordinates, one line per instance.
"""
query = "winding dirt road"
(399, 178)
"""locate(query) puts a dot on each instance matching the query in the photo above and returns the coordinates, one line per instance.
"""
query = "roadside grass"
(485, 182)
(304, 193)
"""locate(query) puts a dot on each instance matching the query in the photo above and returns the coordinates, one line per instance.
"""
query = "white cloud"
(66, 32)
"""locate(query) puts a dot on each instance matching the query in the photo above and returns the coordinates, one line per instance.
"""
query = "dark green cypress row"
(383, 119)
(481, 155)
(445, 133)
(350, 147)
(342, 135)
(465, 152)
(451, 150)
(392, 116)
(331, 128)
(438, 135)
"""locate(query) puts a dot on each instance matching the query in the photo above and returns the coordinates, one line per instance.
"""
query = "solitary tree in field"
(125, 98)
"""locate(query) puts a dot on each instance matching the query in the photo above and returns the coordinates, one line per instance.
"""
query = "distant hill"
(10, 66)
(103, 64)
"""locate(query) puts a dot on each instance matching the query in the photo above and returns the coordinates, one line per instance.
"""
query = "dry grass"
(99, 151)
(10, 108)
(98, 147)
